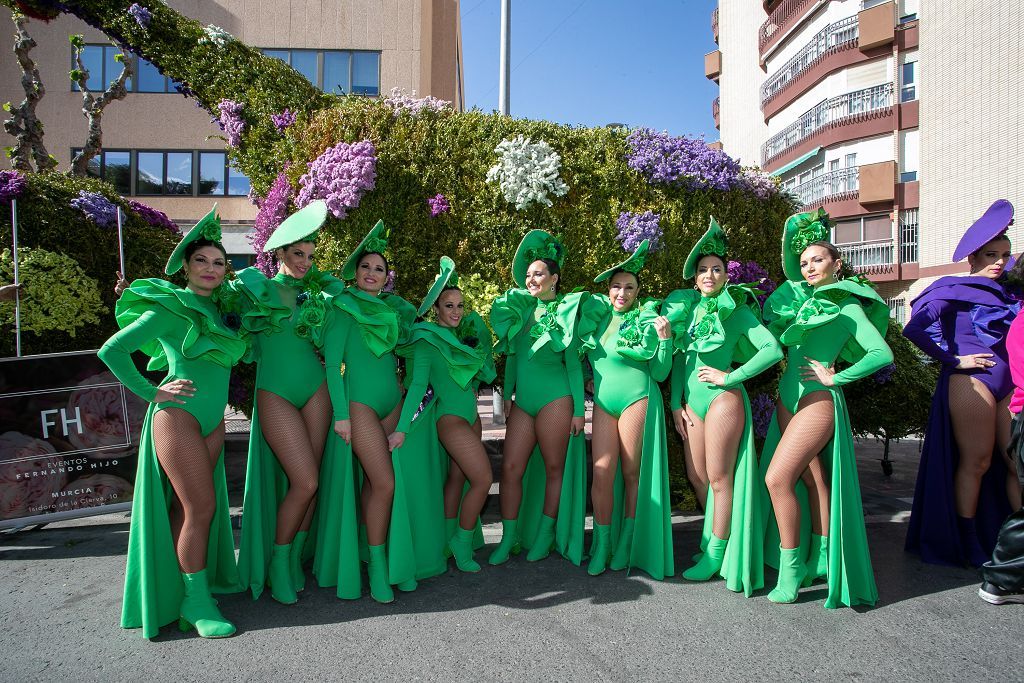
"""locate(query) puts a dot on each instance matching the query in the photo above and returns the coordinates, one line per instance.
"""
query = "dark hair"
(387, 267)
(1013, 279)
(553, 269)
(619, 271)
(1002, 236)
(827, 246)
(196, 245)
(723, 259)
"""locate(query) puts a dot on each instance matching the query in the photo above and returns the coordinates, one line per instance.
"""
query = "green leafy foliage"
(56, 295)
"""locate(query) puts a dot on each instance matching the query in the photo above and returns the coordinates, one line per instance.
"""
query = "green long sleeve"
(511, 367)
(574, 366)
(117, 351)
(339, 326)
(678, 381)
(419, 379)
(661, 364)
(877, 353)
(768, 352)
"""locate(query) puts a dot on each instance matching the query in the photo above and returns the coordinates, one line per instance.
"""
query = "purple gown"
(956, 316)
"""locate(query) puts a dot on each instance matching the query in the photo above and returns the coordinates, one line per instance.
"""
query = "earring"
(551, 288)
(696, 287)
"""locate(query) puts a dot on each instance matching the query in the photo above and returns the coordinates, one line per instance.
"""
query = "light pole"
(504, 70)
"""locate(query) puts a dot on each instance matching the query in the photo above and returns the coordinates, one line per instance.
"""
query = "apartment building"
(897, 116)
(164, 151)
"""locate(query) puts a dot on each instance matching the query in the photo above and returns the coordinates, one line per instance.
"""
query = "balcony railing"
(869, 257)
(714, 23)
(833, 38)
(908, 236)
(785, 14)
(843, 181)
(828, 112)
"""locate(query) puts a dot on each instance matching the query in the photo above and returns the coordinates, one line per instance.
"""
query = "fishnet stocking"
(979, 423)
(723, 430)
(631, 441)
(370, 444)
(462, 441)
(551, 430)
(187, 458)
(804, 435)
(287, 433)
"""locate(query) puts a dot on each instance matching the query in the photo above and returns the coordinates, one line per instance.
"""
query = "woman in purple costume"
(966, 483)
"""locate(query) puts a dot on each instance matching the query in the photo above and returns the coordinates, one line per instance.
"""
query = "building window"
(908, 235)
(156, 172)
(149, 79)
(908, 176)
(897, 309)
(866, 229)
(103, 68)
(216, 177)
(163, 173)
(908, 82)
(339, 72)
(907, 18)
(114, 166)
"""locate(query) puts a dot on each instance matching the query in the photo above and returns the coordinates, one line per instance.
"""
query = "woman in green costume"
(291, 416)
(819, 319)
(453, 357)
(720, 326)
(543, 473)
(629, 347)
(180, 545)
(362, 372)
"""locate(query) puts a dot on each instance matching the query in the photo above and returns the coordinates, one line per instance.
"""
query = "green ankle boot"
(545, 540)
(817, 561)
(461, 545)
(509, 542)
(298, 575)
(198, 609)
(450, 525)
(620, 560)
(791, 573)
(377, 570)
(601, 551)
(279, 576)
(710, 562)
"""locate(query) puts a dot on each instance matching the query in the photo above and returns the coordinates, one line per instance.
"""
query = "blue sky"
(594, 62)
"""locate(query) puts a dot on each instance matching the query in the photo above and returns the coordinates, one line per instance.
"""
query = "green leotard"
(718, 332)
(184, 334)
(845, 320)
(542, 365)
(628, 360)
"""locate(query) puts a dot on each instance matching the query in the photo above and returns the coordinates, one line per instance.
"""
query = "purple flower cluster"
(340, 176)
(283, 120)
(438, 205)
(157, 219)
(141, 15)
(885, 374)
(273, 210)
(231, 121)
(389, 284)
(96, 208)
(759, 183)
(12, 184)
(761, 408)
(634, 228)
(665, 159)
(751, 272)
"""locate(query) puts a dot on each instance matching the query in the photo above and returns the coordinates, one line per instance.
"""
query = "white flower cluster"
(527, 171)
(399, 100)
(216, 35)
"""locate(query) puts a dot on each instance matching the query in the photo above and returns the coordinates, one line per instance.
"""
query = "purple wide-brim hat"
(991, 225)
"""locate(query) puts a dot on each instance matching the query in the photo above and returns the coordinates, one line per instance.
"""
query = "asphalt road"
(60, 605)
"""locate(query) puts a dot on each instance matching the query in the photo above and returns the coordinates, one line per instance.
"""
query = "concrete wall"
(742, 126)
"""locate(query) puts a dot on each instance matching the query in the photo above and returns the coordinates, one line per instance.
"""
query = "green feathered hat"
(447, 276)
(208, 227)
(631, 265)
(712, 243)
(376, 241)
(301, 226)
(801, 230)
(536, 245)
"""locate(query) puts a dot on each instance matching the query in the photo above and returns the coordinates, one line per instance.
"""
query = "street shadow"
(66, 542)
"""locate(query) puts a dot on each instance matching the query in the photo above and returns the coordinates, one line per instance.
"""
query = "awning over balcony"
(796, 162)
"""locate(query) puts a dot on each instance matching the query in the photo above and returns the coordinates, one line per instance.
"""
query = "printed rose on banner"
(527, 172)
(102, 413)
(93, 490)
(27, 487)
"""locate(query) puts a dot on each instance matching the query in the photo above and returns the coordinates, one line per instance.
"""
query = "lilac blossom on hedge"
(389, 284)
(96, 208)
(438, 205)
(141, 15)
(752, 272)
(12, 184)
(665, 159)
(761, 408)
(283, 120)
(760, 183)
(634, 228)
(231, 121)
(272, 211)
(340, 176)
(399, 101)
(154, 217)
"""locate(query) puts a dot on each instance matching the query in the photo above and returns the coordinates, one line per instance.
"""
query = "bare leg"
(462, 441)
(317, 416)
(631, 442)
(696, 459)
(972, 411)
